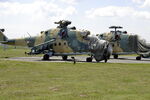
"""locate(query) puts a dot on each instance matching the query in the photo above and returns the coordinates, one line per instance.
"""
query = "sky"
(20, 17)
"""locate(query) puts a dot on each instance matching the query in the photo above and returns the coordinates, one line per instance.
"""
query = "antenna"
(29, 34)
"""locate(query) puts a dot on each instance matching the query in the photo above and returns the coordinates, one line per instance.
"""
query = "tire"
(64, 57)
(46, 57)
(138, 58)
(115, 56)
(89, 59)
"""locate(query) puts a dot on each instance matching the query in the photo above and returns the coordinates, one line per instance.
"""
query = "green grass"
(10, 51)
(65, 81)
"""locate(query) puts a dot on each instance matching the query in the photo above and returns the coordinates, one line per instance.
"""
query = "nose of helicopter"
(104, 52)
(101, 50)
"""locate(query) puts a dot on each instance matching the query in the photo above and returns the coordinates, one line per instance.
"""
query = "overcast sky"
(21, 16)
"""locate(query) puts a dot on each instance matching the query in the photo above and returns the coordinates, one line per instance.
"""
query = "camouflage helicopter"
(124, 43)
(63, 41)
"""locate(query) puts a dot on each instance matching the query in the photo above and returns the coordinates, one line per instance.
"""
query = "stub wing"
(42, 48)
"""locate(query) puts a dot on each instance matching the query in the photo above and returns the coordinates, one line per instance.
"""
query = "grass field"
(65, 81)
(10, 51)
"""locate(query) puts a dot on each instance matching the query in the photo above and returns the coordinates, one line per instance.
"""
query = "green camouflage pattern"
(64, 41)
(45, 36)
(124, 43)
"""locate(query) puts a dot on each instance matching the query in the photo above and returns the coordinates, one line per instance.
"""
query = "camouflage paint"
(126, 43)
(64, 41)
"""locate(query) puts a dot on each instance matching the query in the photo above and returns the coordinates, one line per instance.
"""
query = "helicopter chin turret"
(103, 54)
(100, 49)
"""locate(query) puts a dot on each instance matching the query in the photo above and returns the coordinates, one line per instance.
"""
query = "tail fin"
(3, 38)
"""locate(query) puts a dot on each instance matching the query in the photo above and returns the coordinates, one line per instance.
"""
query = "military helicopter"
(64, 41)
(124, 43)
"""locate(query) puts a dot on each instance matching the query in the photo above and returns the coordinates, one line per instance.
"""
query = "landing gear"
(64, 57)
(97, 60)
(89, 59)
(46, 57)
(138, 58)
(115, 56)
(74, 60)
(105, 60)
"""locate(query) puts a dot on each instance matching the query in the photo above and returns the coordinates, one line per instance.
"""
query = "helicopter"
(125, 44)
(63, 41)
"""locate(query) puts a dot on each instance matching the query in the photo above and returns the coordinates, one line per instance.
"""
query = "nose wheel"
(138, 58)
(89, 59)
(115, 56)
(106, 60)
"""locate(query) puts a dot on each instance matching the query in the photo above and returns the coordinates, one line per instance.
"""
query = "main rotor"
(63, 23)
(115, 27)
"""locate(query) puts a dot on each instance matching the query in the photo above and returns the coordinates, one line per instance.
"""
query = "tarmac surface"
(82, 59)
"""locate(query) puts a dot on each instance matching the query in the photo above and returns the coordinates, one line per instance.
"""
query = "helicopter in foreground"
(63, 41)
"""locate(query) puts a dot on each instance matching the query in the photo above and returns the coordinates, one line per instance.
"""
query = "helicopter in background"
(125, 44)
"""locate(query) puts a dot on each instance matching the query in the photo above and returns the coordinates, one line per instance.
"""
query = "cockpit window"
(102, 37)
(46, 32)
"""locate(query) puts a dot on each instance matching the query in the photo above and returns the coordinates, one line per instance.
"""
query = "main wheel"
(115, 56)
(89, 59)
(46, 57)
(64, 57)
(138, 58)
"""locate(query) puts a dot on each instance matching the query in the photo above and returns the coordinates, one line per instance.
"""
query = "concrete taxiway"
(122, 59)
